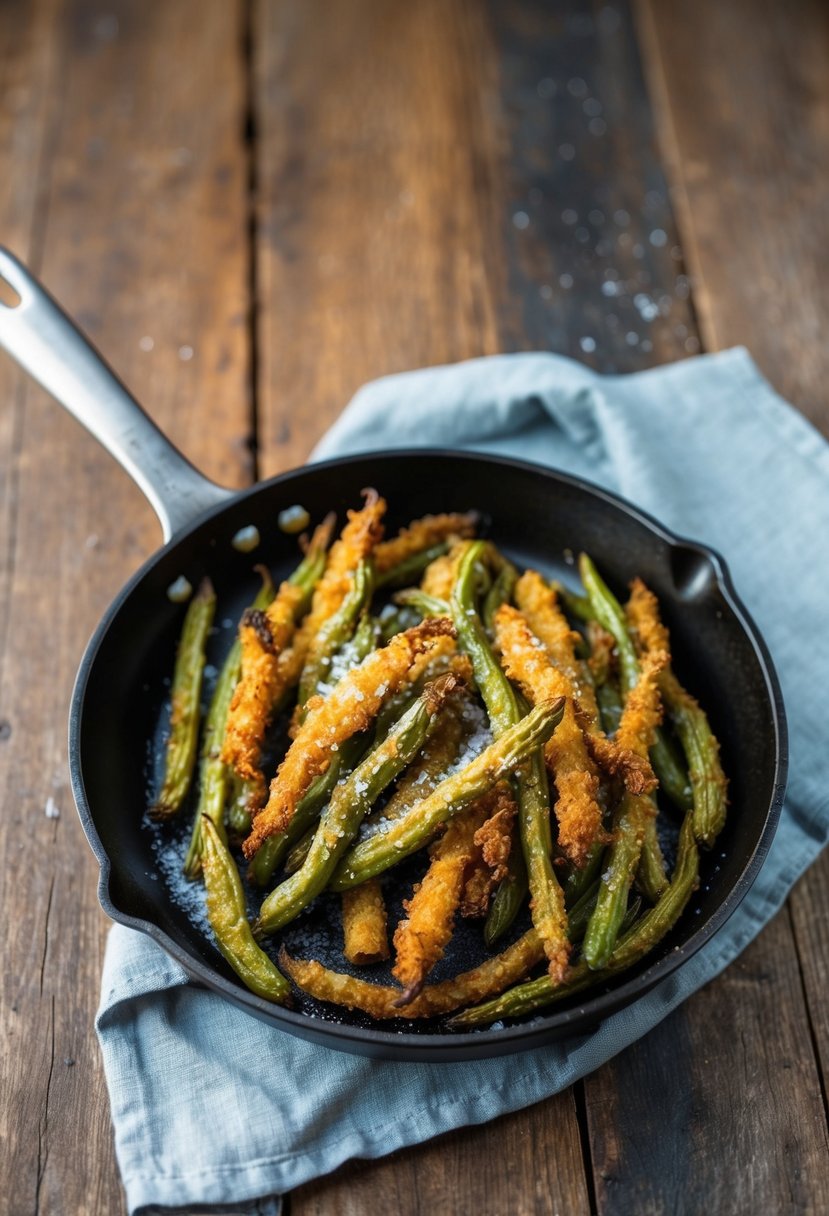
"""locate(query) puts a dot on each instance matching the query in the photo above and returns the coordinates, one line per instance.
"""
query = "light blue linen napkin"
(212, 1107)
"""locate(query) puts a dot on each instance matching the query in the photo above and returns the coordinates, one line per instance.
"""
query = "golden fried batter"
(263, 637)
(380, 1001)
(439, 576)
(350, 707)
(645, 623)
(364, 924)
(423, 534)
(577, 807)
(643, 708)
(421, 939)
(357, 541)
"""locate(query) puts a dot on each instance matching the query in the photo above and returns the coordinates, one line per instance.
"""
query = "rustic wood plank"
(471, 178)
(145, 210)
(526, 1164)
(721, 1108)
(718, 1109)
(745, 122)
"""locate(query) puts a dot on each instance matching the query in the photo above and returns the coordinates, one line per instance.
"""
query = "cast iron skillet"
(537, 517)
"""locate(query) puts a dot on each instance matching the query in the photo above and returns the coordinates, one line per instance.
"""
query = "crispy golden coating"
(380, 1001)
(429, 769)
(357, 541)
(263, 637)
(577, 808)
(439, 576)
(493, 841)
(423, 534)
(538, 604)
(602, 651)
(642, 610)
(350, 707)
(422, 937)
(364, 924)
(643, 708)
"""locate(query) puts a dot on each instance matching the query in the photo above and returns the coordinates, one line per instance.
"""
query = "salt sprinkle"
(246, 539)
(146, 343)
(658, 238)
(588, 344)
(293, 519)
(185, 353)
(521, 219)
(51, 809)
(180, 590)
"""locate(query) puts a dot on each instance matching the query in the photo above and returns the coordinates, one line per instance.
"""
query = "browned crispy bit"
(493, 840)
(577, 807)
(602, 651)
(422, 937)
(350, 707)
(380, 1000)
(646, 627)
(423, 534)
(263, 637)
(357, 541)
(364, 924)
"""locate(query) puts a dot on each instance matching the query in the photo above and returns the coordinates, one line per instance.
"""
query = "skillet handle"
(39, 336)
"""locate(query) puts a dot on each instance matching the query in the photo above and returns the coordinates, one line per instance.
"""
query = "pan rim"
(482, 1043)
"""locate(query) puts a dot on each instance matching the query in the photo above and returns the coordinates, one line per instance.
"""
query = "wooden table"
(255, 207)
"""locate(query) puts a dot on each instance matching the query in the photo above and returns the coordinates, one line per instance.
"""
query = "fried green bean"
(336, 631)
(499, 593)
(214, 774)
(532, 793)
(408, 833)
(270, 854)
(350, 802)
(227, 914)
(651, 877)
(508, 898)
(296, 857)
(609, 613)
(638, 941)
(422, 602)
(702, 752)
(180, 757)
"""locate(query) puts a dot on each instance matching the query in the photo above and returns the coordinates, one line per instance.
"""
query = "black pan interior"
(539, 519)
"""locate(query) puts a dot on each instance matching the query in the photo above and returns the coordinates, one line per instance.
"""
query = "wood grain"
(717, 1109)
(468, 1172)
(143, 236)
(745, 129)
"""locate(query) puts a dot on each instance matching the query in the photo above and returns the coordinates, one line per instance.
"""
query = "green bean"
(651, 878)
(499, 593)
(337, 630)
(238, 807)
(702, 752)
(577, 606)
(180, 757)
(214, 774)
(578, 916)
(296, 858)
(270, 854)
(579, 880)
(426, 605)
(410, 568)
(610, 706)
(345, 812)
(620, 862)
(639, 939)
(227, 914)
(508, 898)
(496, 690)
(396, 621)
(610, 615)
(414, 829)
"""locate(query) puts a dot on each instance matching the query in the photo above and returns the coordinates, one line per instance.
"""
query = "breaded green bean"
(407, 834)
(350, 802)
(609, 613)
(532, 793)
(214, 774)
(409, 570)
(336, 631)
(227, 914)
(702, 751)
(180, 757)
